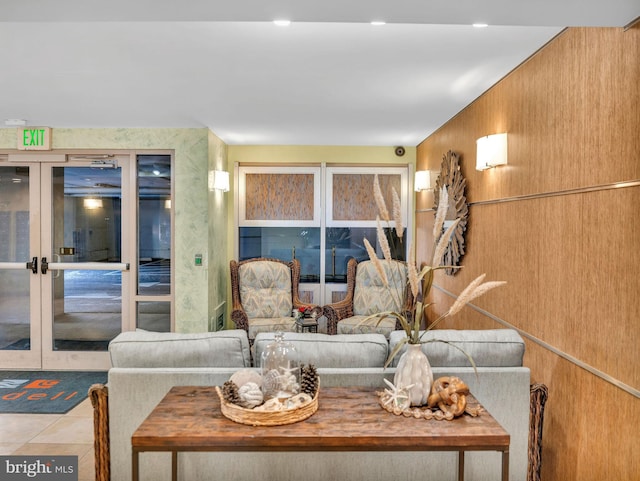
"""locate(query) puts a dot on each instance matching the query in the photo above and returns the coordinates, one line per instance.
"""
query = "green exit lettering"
(33, 137)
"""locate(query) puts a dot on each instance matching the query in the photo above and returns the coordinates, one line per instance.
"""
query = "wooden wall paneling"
(583, 438)
(611, 283)
(614, 99)
(279, 196)
(557, 108)
(571, 261)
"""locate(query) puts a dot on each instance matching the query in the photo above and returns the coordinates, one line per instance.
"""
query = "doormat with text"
(45, 392)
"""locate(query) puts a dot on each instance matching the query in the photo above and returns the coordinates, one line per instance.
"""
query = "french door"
(64, 275)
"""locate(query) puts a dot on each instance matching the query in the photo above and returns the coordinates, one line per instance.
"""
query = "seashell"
(243, 376)
(250, 395)
(271, 381)
(297, 401)
(271, 405)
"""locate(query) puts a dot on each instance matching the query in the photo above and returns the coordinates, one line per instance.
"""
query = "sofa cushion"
(138, 349)
(487, 348)
(325, 351)
(265, 289)
(358, 325)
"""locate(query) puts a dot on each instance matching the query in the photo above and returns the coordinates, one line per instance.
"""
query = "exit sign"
(34, 138)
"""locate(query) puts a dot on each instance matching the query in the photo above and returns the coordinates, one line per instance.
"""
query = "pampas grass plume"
(441, 213)
(376, 263)
(442, 244)
(473, 290)
(384, 242)
(397, 214)
(377, 195)
(413, 273)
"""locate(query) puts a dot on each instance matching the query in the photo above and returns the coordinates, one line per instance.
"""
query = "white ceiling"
(330, 78)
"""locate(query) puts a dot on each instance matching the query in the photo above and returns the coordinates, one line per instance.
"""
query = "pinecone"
(310, 381)
(230, 392)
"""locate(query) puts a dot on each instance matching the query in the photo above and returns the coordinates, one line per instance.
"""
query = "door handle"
(44, 265)
(33, 265)
(57, 259)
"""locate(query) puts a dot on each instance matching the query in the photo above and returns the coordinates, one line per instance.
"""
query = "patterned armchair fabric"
(264, 293)
(367, 295)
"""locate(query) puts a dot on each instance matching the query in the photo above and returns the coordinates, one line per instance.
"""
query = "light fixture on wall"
(219, 180)
(422, 180)
(167, 203)
(491, 151)
(91, 203)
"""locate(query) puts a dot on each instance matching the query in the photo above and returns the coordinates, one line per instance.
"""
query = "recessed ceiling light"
(377, 23)
(282, 23)
(481, 25)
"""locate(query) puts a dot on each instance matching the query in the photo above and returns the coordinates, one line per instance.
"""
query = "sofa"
(146, 365)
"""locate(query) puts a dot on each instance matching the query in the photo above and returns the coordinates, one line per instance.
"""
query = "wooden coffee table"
(348, 419)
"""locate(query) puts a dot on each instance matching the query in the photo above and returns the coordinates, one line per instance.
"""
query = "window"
(153, 306)
(280, 216)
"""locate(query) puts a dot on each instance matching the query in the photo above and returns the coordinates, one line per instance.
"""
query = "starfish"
(398, 396)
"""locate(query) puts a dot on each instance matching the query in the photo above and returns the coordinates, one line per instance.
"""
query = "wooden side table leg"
(505, 465)
(134, 465)
(460, 465)
(174, 465)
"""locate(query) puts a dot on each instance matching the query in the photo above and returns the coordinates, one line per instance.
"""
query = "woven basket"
(267, 418)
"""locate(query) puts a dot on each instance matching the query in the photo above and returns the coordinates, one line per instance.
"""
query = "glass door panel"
(81, 266)
(19, 285)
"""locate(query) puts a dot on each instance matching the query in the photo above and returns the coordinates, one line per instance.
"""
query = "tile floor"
(44, 434)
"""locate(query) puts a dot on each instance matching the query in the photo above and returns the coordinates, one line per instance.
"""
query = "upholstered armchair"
(264, 293)
(367, 295)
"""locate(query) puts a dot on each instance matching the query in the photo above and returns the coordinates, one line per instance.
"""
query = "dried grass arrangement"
(420, 282)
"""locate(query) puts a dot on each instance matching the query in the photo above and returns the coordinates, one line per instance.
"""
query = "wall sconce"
(491, 151)
(167, 203)
(90, 203)
(422, 180)
(219, 180)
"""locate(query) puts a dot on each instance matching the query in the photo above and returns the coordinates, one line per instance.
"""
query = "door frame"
(41, 354)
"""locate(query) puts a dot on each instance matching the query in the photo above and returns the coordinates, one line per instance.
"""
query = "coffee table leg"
(174, 465)
(505, 465)
(460, 465)
(134, 465)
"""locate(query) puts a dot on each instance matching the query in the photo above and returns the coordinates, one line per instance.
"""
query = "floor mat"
(45, 392)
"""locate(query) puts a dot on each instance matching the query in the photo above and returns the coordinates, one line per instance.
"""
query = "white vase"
(414, 368)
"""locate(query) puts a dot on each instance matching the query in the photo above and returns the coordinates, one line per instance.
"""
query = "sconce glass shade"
(92, 203)
(219, 180)
(422, 180)
(491, 151)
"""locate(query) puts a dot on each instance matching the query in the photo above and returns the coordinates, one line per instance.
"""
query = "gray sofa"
(146, 365)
